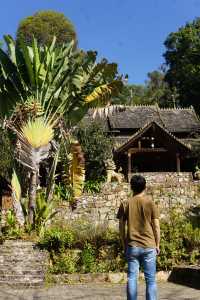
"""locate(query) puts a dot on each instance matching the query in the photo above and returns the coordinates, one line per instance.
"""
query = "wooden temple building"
(152, 139)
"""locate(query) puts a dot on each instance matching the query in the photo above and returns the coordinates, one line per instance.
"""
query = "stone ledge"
(101, 277)
(186, 275)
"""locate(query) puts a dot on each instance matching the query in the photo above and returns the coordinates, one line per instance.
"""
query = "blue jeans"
(146, 257)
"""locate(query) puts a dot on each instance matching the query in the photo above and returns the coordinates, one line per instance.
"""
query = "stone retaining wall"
(167, 189)
(110, 277)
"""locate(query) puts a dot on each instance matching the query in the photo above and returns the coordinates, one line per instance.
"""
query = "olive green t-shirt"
(139, 211)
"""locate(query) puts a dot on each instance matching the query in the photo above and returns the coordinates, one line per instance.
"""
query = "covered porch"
(153, 149)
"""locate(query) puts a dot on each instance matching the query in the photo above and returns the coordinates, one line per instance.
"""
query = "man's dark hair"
(138, 184)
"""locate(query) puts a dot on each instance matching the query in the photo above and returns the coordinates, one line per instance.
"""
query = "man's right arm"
(156, 231)
(122, 232)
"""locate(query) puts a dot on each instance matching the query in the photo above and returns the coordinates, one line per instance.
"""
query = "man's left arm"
(156, 226)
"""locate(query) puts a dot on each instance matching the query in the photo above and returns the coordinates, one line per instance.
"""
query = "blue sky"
(129, 32)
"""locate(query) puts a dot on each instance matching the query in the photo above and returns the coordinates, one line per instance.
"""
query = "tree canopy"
(183, 61)
(97, 148)
(155, 90)
(44, 25)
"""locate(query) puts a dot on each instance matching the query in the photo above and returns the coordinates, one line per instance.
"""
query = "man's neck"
(139, 194)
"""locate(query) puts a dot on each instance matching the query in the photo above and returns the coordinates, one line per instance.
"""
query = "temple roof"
(174, 120)
(136, 117)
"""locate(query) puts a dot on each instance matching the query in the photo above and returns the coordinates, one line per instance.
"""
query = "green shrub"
(56, 239)
(96, 234)
(63, 192)
(180, 241)
(64, 263)
(92, 186)
(44, 211)
(88, 259)
(11, 230)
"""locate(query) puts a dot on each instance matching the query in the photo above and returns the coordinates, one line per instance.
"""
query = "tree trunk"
(32, 196)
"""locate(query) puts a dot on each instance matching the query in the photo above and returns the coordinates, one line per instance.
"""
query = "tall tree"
(155, 90)
(183, 61)
(158, 90)
(44, 25)
(97, 148)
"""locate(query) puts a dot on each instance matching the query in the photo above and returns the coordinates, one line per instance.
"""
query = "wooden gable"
(153, 137)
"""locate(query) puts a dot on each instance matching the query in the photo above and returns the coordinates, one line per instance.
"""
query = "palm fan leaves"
(34, 142)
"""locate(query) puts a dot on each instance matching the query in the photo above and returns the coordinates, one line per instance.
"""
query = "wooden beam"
(178, 162)
(149, 150)
(129, 166)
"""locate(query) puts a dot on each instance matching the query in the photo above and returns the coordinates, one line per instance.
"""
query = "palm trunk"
(32, 196)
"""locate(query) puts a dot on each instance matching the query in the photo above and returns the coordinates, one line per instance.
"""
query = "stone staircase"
(22, 264)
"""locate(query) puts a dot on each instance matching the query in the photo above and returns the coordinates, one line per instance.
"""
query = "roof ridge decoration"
(146, 126)
(176, 108)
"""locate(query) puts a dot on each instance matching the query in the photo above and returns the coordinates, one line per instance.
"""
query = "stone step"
(29, 264)
(34, 263)
(18, 243)
(23, 253)
(19, 278)
(16, 271)
(20, 250)
(22, 257)
(22, 264)
(19, 284)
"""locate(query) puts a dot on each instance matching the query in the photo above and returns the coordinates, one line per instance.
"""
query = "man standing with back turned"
(142, 240)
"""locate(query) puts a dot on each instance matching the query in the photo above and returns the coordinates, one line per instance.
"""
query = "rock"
(115, 277)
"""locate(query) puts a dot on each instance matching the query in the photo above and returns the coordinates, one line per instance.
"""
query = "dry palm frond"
(16, 188)
(77, 169)
(107, 110)
(99, 92)
(104, 92)
(16, 197)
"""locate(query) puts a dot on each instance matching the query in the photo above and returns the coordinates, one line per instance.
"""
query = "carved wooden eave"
(139, 133)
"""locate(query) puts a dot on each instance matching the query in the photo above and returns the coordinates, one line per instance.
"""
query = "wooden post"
(178, 162)
(129, 166)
